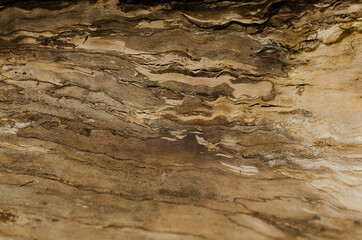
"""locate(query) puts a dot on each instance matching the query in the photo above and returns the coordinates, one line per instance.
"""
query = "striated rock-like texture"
(180, 120)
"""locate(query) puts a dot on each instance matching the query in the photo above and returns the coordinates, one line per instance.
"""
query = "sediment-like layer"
(180, 120)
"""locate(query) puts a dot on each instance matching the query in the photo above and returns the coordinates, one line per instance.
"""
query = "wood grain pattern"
(180, 120)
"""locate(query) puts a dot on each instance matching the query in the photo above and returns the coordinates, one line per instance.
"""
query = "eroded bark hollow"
(180, 120)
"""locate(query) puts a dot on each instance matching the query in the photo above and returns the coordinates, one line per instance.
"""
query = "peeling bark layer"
(180, 120)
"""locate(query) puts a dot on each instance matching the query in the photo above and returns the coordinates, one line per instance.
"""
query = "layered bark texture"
(180, 120)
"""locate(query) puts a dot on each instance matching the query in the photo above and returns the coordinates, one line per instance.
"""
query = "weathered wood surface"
(182, 120)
